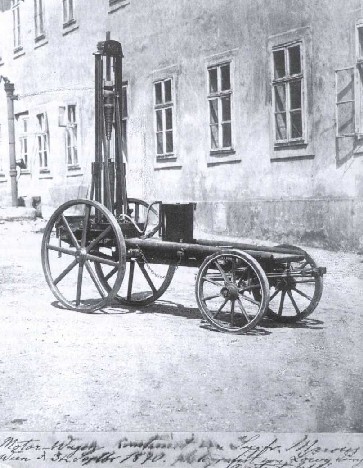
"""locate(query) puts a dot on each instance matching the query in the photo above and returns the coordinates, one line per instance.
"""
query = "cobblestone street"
(159, 368)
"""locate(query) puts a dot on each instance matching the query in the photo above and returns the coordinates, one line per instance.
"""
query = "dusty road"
(159, 369)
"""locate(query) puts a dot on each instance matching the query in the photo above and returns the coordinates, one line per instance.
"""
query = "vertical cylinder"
(9, 89)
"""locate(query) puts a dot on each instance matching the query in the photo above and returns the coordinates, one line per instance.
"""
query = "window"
(42, 142)
(164, 118)
(68, 11)
(71, 137)
(344, 79)
(39, 18)
(24, 142)
(220, 107)
(15, 6)
(287, 93)
(118, 3)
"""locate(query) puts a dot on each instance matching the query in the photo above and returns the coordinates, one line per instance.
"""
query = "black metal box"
(177, 222)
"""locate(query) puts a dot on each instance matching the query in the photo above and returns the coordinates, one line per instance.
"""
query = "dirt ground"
(159, 368)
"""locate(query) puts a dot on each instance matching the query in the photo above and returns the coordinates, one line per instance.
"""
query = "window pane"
(159, 120)
(296, 124)
(65, 11)
(75, 156)
(345, 85)
(280, 98)
(295, 95)
(25, 125)
(280, 121)
(159, 143)
(158, 95)
(69, 156)
(214, 137)
(45, 159)
(295, 60)
(279, 64)
(213, 106)
(39, 143)
(167, 89)
(70, 13)
(225, 77)
(168, 118)
(227, 138)
(345, 118)
(25, 147)
(226, 109)
(213, 83)
(169, 142)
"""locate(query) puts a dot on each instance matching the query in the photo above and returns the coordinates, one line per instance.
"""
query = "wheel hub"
(230, 291)
(286, 284)
(81, 255)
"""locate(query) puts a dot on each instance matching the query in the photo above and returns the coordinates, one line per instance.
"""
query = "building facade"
(251, 108)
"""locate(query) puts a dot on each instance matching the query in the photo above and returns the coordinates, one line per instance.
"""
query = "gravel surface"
(161, 368)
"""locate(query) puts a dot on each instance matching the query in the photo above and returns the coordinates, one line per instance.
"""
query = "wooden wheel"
(224, 291)
(140, 211)
(80, 235)
(295, 289)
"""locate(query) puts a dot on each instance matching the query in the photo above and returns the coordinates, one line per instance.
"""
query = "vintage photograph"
(181, 233)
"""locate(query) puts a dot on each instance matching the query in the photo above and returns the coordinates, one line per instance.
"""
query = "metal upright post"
(9, 89)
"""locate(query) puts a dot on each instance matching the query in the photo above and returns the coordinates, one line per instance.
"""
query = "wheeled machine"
(111, 247)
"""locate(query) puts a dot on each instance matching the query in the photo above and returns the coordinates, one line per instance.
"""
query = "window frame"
(39, 19)
(358, 88)
(2, 170)
(42, 143)
(219, 95)
(163, 107)
(67, 7)
(71, 137)
(287, 80)
(24, 137)
(17, 34)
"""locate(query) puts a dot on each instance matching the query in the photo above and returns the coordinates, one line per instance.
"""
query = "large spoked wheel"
(81, 235)
(295, 289)
(224, 291)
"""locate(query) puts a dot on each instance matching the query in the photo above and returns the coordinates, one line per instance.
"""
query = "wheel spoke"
(212, 282)
(244, 312)
(303, 294)
(224, 276)
(61, 249)
(209, 298)
(281, 303)
(232, 312)
(233, 272)
(99, 238)
(79, 284)
(249, 299)
(147, 277)
(111, 273)
(274, 294)
(95, 279)
(70, 232)
(85, 225)
(248, 288)
(65, 272)
(94, 258)
(220, 309)
(298, 312)
(131, 279)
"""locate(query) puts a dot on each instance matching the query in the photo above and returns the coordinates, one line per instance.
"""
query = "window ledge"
(297, 157)
(41, 41)
(69, 27)
(18, 52)
(290, 145)
(1, 62)
(40, 38)
(222, 156)
(74, 171)
(167, 162)
(45, 174)
(25, 172)
(3, 177)
(115, 6)
(222, 152)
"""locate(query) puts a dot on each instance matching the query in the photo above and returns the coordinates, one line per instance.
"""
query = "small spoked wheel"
(295, 289)
(80, 235)
(141, 212)
(225, 287)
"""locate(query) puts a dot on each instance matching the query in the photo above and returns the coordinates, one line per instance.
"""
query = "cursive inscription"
(224, 450)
